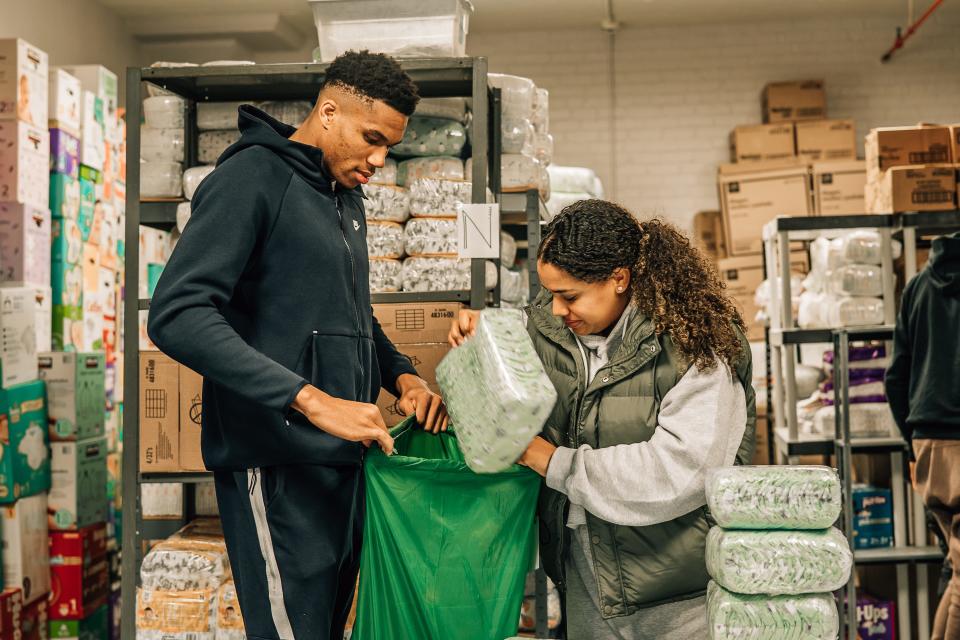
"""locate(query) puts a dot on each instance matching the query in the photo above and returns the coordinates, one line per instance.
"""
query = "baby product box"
(11, 606)
(93, 627)
(65, 101)
(34, 620)
(18, 349)
(92, 140)
(23, 82)
(64, 153)
(75, 393)
(43, 316)
(25, 465)
(24, 244)
(80, 572)
(78, 495)
(872, 517)
(102, 83)
(26, 554)
(25, 164)
(64, 196)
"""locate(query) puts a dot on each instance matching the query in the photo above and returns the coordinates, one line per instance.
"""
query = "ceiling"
(287, 25)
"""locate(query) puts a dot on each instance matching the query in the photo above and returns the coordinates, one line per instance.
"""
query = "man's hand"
(353, 421)
(538, 455)
(463, 327)
(417, 398)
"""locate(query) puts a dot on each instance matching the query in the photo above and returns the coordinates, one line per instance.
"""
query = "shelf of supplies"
(192, 477)
(814, 446)
(811, 228)
(160, 214)
(898, 555)
(159, 529)
(781, 337)
(300, 81)
(420, 296)
(932, 221)
(877, 445)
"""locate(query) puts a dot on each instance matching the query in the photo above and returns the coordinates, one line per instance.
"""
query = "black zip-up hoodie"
(266, 291)
(923, 382)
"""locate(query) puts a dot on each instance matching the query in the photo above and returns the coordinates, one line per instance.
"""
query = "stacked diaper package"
(572, 184)
(775, 556)
(187, 590)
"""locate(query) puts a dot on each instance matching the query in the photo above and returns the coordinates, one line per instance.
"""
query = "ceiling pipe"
(902, 37)
(611, 26)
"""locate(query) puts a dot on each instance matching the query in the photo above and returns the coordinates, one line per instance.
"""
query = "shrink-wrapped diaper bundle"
(386, 203)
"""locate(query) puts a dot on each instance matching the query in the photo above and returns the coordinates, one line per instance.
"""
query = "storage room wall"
(681, 89)
(72, 32)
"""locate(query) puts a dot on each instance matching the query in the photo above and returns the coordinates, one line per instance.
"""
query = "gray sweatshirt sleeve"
(701, 424)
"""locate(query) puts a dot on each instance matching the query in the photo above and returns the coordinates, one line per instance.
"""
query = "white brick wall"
(680, 90)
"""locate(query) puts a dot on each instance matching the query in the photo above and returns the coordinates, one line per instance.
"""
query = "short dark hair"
(375, 76)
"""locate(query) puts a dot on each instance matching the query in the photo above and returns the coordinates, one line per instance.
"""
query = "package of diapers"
(779, 562)
(438, 168)
(733, 616)
(186, 564)
(192, 178)
(229, 617)
(432, 137)
(774, 497)
(385, 175)
(386, 203)
(386, 276)
(212, 116)
(497, 392)
(212, 144)
(431, 198)
(431, 237)
(384, 240)
(176, 615)
(443, 274)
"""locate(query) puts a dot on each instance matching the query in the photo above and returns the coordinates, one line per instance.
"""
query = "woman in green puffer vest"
(652, 371)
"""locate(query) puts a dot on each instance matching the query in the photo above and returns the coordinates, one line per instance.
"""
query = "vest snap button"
(606, 379)
(596, 539)
(608, 609)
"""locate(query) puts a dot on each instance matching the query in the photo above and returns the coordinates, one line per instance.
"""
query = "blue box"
(872, 517)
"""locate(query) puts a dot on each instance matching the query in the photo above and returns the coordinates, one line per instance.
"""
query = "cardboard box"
(26, 559)
(838, 188)
(425, 358)
(742, 276)
(80, 583)
(902, 146)
(25, 164)
(24, 245)
(955, 143)
(34, 621)
(191, 409)
(75, 392)
(11, 607)
(64, 197)
(792, 101)
(43, 316)
(87, 212)
(416, 323)
(93, 627)
(708, 234)
(750, 143)
(23, 82)
(159, 413)
(18, 330)
(25, 466)
(103, 83)
(65, 101)
(872, 517)
(749, 200)
(92, 132)
(78, 494)
(822, 140)
(88, 543)
(915, 188)
(64, 153)
(761, 453)
(387, 403)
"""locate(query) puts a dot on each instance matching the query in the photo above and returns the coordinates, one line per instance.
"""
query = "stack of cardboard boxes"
(909, 168)
(171, 399)
(419, 332)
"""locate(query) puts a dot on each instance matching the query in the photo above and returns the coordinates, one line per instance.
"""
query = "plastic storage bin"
(403, 28)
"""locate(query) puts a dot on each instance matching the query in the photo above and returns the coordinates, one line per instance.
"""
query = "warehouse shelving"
(525, 211)
(447, 77)
(910, 547)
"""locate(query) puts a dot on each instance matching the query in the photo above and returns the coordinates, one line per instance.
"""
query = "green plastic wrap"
(445, 550)
(497, 392)
(737, 617)
(774, 497)
(432, 137)
(778, 562)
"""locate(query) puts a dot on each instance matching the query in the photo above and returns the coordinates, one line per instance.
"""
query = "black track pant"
(293, 535)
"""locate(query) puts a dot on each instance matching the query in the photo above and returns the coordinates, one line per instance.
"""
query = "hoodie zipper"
(353, 273)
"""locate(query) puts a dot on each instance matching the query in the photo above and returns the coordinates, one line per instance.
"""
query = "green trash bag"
(445, 550)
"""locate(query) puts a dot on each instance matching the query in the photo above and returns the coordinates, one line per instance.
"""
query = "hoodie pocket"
(335, 365)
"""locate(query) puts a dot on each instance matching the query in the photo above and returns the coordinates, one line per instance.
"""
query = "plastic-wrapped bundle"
(866, 357)
(560, 200)
(516, 134)
(386, 276)
(865, 385)
(853, 312)
(212, 116)
(442, 274)
(387, 174)
(774, 497)
(176, 615)
(386, 203)
(857, 280)
(185, 564)
(430, 198)
(161, 145)
(192, 178)
(519, 173)
(292, 112)
(542, 148)
(431, 237)
(428, 137)
(861, 246)
(541, 111)
(211, 144)
(164, 112)
(512, 285)
(496, 390)
(447, 108)
(508, 249)
(160, 179)
(544, 185)
(574, 180)
(778, 562)
(867, 420)
(438, 168)
(516, 94)
(738, 617)
(183, 217)
(384, 240)
(157, 90)
(229, 617)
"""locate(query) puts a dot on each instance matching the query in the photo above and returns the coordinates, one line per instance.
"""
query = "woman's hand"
(417, 398)
(463, 327)
(538, 455)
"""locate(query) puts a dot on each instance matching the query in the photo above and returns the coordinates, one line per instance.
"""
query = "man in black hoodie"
(267, 297)
(923, 387)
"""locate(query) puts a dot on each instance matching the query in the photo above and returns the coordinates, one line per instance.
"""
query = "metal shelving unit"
(447, 77)
(525, 212)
